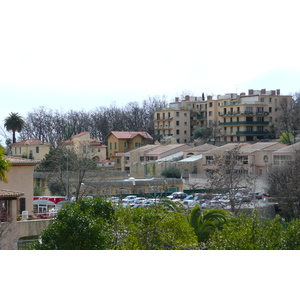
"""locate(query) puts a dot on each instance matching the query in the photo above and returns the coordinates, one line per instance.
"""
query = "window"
(249, 128)
(270, 109)
(210, 113)
(177, 113)
(177, 131)
(270, 100)
(266, 159)
(110, 145)
(137, 145)
(260, 119)
(248, 110)
(210, 104)
(259, 109)
(118, 160)
(115, 144)
(262, 99)
(209, 159)
(37, 150)
(177, 123)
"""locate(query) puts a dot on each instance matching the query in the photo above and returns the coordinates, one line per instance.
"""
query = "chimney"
(242, 94)
(263, 91)
(273, 92)
(250, 92)
(278, 92)
(209, 97)
(187, 98)
(177, 99)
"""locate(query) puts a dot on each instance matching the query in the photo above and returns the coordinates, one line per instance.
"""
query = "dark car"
(262, 195)
(177, 196)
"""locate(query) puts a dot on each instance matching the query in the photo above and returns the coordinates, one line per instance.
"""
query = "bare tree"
(283, 182)
(229, 174)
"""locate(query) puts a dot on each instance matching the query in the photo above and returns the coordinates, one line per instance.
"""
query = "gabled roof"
(130, 134)
(202, 148)
(166, 148)
(288, 149)
(30, 142)
(262, 146)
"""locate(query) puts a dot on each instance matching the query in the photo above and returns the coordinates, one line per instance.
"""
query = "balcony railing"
(244, 123)
(158, 136)
(235, 113)
(263, 132)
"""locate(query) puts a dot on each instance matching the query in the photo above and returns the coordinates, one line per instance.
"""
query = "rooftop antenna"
(236, 88)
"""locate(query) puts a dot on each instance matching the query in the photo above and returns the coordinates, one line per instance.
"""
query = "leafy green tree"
(15, 123)
(253, 233)
(287, 138)
(79, 225)
(203, 133)
(171, 172)
(4, 165)
(205, 223)
(152, 228)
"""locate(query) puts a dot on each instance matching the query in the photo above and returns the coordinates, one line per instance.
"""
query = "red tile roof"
(30, 142)
(130, 134)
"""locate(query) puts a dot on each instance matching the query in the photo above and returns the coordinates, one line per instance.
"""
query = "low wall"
(32, 227)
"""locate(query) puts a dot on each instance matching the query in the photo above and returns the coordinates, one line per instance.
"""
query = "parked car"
(262, 195)
(177, 196)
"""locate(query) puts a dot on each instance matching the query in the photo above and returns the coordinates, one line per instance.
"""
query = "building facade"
(31, 148)
(233, 117)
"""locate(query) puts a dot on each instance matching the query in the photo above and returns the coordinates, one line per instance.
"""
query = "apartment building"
(234, 117)
(180, 118)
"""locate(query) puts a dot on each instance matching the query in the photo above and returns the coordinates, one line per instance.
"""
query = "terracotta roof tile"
(30, 142)
(131, 134)
(10, 194)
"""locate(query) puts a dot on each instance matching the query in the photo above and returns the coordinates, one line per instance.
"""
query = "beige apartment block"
(31, 148)
(245, 118)
(234, 117)
(180, 119)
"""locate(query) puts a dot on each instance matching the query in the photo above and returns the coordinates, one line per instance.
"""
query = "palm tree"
(4, 165)
(15, 123)
(205, 223)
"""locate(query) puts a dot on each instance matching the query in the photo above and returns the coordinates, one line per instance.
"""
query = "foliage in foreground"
(80, 225)
(253, 233)
(205, 223)
(97, 225)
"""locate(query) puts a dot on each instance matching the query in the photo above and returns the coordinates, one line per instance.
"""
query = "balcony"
(243, 123)
(159, 136)
(235, 113)
(263, 132)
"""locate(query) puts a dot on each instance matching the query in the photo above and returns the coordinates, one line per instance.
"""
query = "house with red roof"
(83, 144)
(124, 141)
(31, 148)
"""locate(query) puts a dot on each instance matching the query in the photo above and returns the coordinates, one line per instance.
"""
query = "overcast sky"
(84, 54)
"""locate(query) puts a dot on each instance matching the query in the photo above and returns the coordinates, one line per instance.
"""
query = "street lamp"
(254, 181)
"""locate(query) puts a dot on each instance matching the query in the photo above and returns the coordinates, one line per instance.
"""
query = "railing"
(158, 136)
(252, 132)
(244, 123)
(234, 113)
